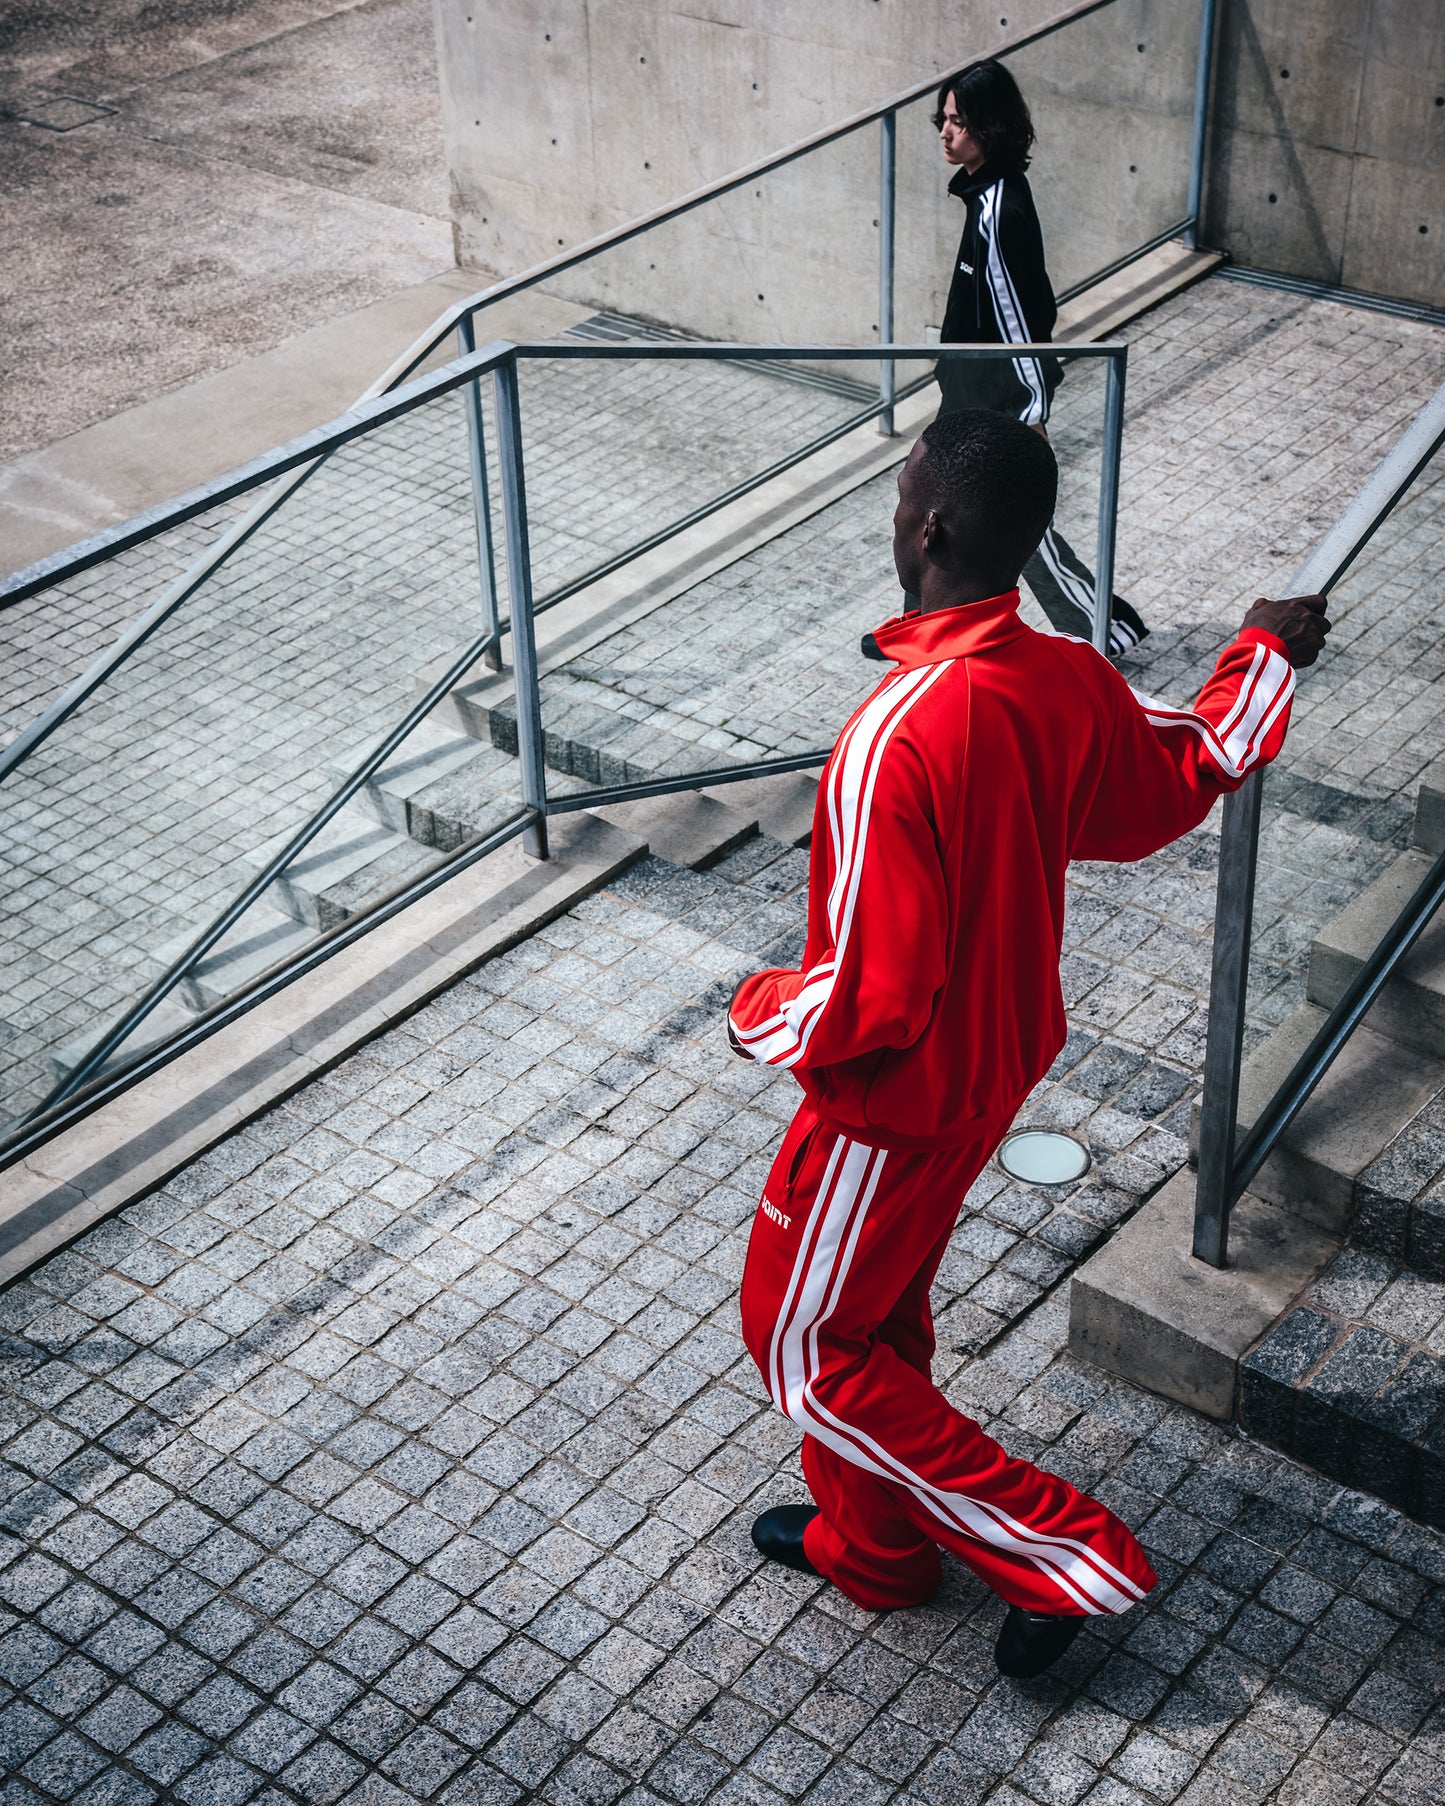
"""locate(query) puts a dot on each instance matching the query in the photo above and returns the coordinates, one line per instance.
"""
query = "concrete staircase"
(443, 787)
(1391, 1069)
(1326, 1335)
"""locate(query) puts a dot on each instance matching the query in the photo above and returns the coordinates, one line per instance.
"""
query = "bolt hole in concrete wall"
(595, 111)
(1328, 156)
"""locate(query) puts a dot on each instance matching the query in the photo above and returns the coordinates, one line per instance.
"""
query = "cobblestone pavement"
(403, 1449)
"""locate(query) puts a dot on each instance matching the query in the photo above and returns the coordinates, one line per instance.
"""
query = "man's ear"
(932, 529)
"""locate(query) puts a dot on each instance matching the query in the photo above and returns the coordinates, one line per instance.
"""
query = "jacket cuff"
(1265, 638)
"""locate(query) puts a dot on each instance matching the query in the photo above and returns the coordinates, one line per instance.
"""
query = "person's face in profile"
(959, 144)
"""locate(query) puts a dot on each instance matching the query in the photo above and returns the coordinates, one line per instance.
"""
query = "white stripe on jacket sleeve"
(1237, 742)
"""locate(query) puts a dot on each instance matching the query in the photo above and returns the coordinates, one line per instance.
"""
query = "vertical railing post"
(1224, 1045)
(1109, 499)
(519, 582)
(1203, 70)
(887, 196)
(481, 499)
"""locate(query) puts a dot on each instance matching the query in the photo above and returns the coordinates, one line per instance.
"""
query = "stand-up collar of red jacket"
(928, 639)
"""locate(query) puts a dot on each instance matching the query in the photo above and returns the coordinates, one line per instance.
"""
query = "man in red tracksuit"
(928, 1006)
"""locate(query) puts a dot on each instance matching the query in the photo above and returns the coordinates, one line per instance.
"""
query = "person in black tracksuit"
(1000, 294)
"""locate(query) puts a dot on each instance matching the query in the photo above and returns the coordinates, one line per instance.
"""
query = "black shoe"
(778, 1534)
(1031, 1641)
(1125, 629)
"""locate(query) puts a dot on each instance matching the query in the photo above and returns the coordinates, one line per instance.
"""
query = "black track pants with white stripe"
(1063, 586)
(835, 1312)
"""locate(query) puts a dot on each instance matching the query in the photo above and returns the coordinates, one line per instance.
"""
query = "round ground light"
(1043, 1157)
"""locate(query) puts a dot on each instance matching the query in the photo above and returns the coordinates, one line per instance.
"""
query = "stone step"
(262, 938)
(1429, 834)
(1334, 1388)
(1411, 1008)
(1143, 1307)
(686, 828)
(601, 745)
(168, 1017)
(1373, 1089)
(440, 787)
(783, 803)
(352, 861)
(429, 755)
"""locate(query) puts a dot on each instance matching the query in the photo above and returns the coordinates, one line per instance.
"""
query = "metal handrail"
(364, 416)
(605, 796)
(1340, 1024)
(250, 893)
(1224, 1171)
(309, 449)
(394, 395)
(312, 449)
(881, 411)
(502, 360)
(303, 457)
(1203, 72)
(53, 1119)
(1177, 230)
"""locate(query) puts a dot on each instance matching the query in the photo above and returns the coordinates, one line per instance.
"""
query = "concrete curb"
(1143, 1307)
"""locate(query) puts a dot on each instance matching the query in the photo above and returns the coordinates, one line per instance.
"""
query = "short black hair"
(995, 480)
(991, 106)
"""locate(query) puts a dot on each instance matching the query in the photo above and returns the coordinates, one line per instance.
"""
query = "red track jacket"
(951, 805)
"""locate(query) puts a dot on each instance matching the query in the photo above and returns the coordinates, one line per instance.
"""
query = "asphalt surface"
(183, 186)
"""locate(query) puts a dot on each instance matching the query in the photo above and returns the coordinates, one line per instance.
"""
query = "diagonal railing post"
(1109, 499)
(1224, 1043)
(481, 499)
(519, 585)
(1203, 71)
(887, 210)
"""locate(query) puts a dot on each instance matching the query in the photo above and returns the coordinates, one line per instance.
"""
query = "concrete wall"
(1329, 154)
(567, 117)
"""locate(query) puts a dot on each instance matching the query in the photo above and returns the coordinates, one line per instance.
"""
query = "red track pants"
(835, 1312)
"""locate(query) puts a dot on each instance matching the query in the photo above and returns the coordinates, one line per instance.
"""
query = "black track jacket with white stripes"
(1000, 293)
(929, 998)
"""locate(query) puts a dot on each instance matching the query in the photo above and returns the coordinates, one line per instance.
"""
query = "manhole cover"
(1043, 1157)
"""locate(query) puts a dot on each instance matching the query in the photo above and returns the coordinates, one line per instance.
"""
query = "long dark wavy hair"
(991, 106)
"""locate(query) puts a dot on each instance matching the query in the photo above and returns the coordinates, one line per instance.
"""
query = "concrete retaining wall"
(1329, 153)
(568, 117)
(565, 118)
